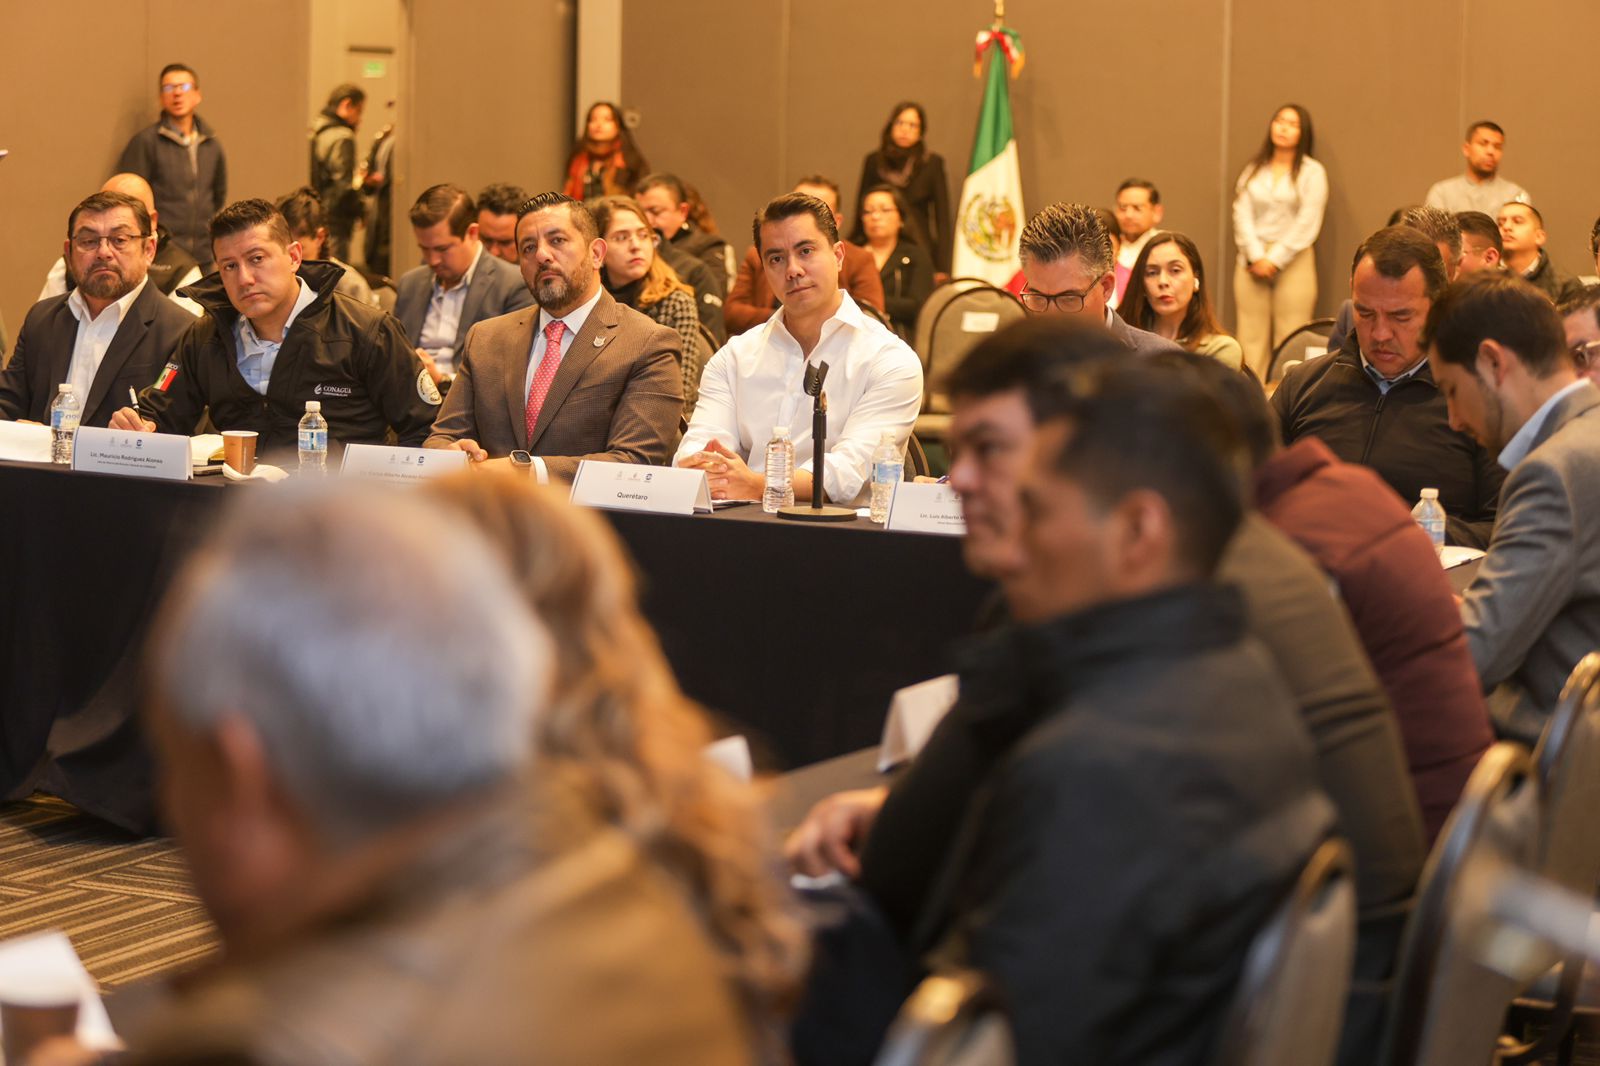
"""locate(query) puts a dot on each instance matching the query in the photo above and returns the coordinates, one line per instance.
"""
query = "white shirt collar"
(118, 309)
(574, 318)
(248, 337)
(466, 279)
(1521, 443)
(848, 313)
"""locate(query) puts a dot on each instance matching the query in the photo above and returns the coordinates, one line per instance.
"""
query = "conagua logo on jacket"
(332, 390)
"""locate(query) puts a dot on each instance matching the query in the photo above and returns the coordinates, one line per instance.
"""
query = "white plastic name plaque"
(631, 487)
(383, 463)
(923, 507)
(117, 451)
(914, 711)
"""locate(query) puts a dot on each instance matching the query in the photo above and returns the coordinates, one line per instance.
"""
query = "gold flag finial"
(999, 11)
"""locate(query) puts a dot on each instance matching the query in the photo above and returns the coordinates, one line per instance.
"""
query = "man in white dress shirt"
(1480, 187)
(754, 383)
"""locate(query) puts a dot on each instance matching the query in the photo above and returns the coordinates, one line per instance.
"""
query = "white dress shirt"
(755, 383)
(94, 337)
(256, 356)
(439, 326)
(574, 321)
(55, 283)
(1277, 218)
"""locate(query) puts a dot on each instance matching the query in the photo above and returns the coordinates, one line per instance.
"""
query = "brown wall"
(66, 122)
(786, 87)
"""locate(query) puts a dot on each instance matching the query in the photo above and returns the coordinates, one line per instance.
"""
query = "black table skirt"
(793, 634)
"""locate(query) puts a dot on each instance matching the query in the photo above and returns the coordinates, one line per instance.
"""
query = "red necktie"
(540, 386)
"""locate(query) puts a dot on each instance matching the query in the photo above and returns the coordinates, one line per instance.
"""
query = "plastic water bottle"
(1430, 516)
(313, 440)
(887, 469)
(780, 471)
(65, 414)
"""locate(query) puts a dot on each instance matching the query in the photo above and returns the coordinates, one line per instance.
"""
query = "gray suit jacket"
(617, 396)
(1534, 609)
(1141, 341)
(496, 289)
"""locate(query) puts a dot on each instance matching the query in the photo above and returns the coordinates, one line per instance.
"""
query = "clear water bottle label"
(887, 473)
(313, 440)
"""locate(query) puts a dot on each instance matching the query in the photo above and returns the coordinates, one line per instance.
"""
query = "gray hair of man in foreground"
(374, 643)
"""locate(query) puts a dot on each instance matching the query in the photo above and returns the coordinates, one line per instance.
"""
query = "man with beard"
(113, 330)
(581, 377)
(1480, 187)
(170, 271)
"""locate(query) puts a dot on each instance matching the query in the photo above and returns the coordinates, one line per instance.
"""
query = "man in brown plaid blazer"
(577, 377)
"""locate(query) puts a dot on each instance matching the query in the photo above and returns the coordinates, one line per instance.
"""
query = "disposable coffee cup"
(30, 1016)
(239, 449)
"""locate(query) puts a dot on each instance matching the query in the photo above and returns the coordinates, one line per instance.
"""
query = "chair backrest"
(1567, 763)
(1289, 1005)
(1447, 1007)
(951, 1019)
(916, 459)
(1293, 347)
(873, 312)
(959, 314)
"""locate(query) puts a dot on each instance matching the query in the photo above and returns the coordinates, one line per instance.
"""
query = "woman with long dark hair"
(903, 162)
(1277, 213)
(1167, 294)
(604, 161)
(903, 265)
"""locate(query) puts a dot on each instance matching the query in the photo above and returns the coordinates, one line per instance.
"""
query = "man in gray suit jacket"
(459, 286)
(580, 376)
(1499, 354)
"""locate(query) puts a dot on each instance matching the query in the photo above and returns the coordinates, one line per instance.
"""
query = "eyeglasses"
(1067, 302)
(178, 87)
(1585, 352)
(89, 243)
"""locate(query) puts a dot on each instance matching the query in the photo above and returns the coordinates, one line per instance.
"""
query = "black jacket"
(333, 167)
(355, 359)
(907, 280)
(1552, 280)
(1116, 823)
(186, 197)
(143, 343)
(1404, 435)
(711, 250)
(926, 193)
(706, 283)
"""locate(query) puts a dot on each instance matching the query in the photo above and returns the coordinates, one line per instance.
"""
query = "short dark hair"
(1434, 223)
(824, 182)
(1481, 225)
(1140, 183)
(1108, 220)
(439, 203)
(1064, 229)
(174, 68)
(1484, 124)
(793, 205)
(1537, 214)
(348, 91)
(1239, 395)
(245, 214)
(1502, 308)
(662, 180)
(1394, 250)
(1136, 426)
(107, 201)
(1030, 355)
(501, 199)
(1594, 238)
(578, 212)
(302, 210)
(1585, 299)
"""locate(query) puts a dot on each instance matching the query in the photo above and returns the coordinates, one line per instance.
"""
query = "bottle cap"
(313, 407)
(66, 388)
(1430, 494)
(780, 431)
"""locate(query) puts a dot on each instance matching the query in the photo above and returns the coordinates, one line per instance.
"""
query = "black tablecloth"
(796, 634)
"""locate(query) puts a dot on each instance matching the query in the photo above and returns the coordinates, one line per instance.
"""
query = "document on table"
(30, 961)
(1454, 555)
(24, 443)
(203, 447)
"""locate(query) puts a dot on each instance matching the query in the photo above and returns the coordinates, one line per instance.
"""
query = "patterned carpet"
(126, 903)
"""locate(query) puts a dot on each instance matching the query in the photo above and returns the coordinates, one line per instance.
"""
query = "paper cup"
(30, 1016)
(239, 449)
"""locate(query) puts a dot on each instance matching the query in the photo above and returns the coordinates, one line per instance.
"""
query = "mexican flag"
(989, 219)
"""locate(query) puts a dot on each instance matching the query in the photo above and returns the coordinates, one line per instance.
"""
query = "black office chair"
(951, 1019)
(1448, 1006)
(881, 316)
(1289, 1005)
(954, 318)
(916, 459)
(1293, 348)
(1567, 852)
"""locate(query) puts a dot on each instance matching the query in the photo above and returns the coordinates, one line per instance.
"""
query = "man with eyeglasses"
(113, 331)
(182, 160)
(1580, 318)
(1070, 270)
(1505, 366)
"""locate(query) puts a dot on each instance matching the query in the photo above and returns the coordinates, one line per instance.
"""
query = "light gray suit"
(496, 288)
(617, 396)
(1534, 609)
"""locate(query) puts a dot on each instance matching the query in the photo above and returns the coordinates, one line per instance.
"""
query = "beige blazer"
(618, 395)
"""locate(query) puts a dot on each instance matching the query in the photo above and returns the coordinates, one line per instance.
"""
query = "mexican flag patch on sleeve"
(169, 373)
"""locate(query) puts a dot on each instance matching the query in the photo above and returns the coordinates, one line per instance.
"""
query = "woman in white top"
(1277, 213)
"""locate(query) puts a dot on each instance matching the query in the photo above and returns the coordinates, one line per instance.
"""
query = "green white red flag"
(989, 218)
